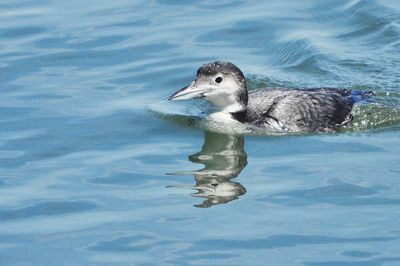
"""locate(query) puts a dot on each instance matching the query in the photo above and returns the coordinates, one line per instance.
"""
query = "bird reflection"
(223, 157)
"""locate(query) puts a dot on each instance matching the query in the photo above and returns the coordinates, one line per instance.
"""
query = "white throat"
(233, 108)
(226, 102)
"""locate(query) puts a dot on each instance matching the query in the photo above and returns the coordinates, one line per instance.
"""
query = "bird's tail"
(357, 96)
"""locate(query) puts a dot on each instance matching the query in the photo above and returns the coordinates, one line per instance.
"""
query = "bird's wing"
(300, 110)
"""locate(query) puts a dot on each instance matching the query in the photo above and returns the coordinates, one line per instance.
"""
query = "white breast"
(223, 122)
(222, 117)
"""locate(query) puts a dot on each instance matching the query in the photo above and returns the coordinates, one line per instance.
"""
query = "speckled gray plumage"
(317, 109)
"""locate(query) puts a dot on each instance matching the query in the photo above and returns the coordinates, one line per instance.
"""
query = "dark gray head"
(219, 67)
(221, 83)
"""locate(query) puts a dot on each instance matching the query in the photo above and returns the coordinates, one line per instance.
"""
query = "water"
(91, 174)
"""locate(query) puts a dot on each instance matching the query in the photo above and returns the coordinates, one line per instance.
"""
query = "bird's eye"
(218, 80)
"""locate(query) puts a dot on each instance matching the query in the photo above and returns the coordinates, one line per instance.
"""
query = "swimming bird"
(289, 110)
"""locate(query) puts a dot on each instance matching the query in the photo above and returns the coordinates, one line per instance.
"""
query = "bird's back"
(316, 109)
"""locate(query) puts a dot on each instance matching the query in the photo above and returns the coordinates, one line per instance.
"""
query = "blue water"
(95, 167)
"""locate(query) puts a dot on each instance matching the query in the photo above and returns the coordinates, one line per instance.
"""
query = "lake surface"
(94, 170)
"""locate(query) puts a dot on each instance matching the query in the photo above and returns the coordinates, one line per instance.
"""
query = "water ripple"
(46, 208)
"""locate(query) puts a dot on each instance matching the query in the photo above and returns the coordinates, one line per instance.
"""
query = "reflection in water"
(224, 158)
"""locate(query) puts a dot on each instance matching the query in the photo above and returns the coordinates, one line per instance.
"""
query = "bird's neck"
(235, 111)
(234, 108)
(239, 109)
(232, 105)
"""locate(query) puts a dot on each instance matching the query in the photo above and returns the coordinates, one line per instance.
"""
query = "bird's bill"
(189, 92)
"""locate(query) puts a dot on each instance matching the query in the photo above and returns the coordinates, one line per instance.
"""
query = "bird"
(223, 85)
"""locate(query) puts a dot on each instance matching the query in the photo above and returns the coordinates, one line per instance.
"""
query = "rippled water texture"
(90, 175)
